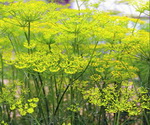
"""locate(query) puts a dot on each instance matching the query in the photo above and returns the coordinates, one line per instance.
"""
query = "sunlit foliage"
(67, 66)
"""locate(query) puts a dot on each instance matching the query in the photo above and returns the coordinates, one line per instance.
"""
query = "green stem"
(14, 47)
(29, 25)
(103, 116)
(78, 4)
(8, 113)
(71, 101)
(118, 116)
(41, 112)
(37, 122)
(29, 33)
(148, 79)
(61, 98)
(53, 89)
(136, 23)
(46, 101)
(146, 118)
(2, 73)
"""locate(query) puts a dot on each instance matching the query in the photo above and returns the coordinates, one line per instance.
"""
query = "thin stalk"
(56, 89)
(55, 95)
(60, 87)
(2, 81)
(136, 23)
(78, 4)
(38, 95)
(61, 98)
(28, 40)
(118, 116)
(13, 74)
(56, 92)
(99, 118)
(146, 118)
(148, 79)
(28, 84)
(53, 89)
(49, 47)
(2, 72)
(71, 101)
(29, 33)
(36, 85)
(15, 50)
(37, 122)
(78, 97)
(8, 113)
(147, 111)
(46, 101)
(103, 116)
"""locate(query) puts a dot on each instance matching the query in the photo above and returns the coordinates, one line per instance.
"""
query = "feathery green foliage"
(66, 66)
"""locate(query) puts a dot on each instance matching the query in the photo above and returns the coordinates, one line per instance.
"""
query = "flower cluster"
(123, 99)
(25, 108)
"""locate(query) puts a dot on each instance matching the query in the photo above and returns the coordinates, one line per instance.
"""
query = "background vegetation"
(61, 66)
